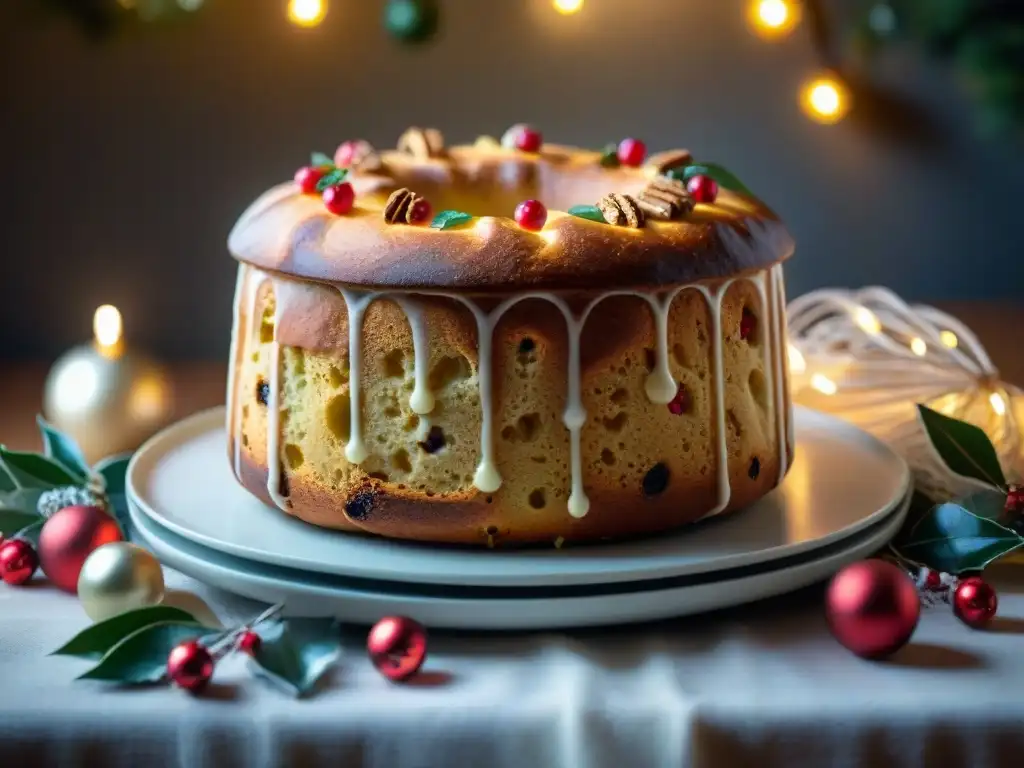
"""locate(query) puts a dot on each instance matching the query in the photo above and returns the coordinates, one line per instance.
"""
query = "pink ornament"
(398, 647)
(69, 537)
(531, 215)
(872, 608)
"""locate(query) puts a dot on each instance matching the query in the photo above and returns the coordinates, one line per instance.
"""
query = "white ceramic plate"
(496, 608)
(842, 481)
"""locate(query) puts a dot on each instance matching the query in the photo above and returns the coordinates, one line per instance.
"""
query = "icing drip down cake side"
(508, 342)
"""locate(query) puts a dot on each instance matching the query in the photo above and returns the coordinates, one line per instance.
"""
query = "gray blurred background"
(127, 161)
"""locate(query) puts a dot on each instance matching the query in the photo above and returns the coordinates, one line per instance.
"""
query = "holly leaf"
(141, 657)
(590, 212)
(64, 450)
(33, 470)
(960, 536)
(320, 160)
(963, 447)
(114, 471)
(7, 484)
(724, 177)
(610, 156)
(294, 655)
(95, 641)
(450, 219)
(12, 521)
(331, 178)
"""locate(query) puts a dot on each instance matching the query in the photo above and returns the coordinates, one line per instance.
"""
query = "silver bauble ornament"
(117, 578)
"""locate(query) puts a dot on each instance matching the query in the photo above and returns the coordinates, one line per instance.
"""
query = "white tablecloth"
(763, 685)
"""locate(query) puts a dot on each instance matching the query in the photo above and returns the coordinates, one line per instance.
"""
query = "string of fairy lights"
(824, 98)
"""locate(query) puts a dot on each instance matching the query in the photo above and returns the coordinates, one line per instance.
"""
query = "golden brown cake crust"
(291, 233)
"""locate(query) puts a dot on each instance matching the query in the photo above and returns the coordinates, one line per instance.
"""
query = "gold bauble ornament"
(119, 577)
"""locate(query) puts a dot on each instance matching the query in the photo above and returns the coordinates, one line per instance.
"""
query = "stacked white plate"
(844, 498)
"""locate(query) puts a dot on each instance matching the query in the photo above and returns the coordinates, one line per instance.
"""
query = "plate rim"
(202, 422)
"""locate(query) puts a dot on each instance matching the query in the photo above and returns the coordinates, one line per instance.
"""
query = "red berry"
(339, 198)
(703, 188)
(748, 324)
(421, 211)
(307, 178)
(632, 152)
(345, 153)
(680, 404)
(529, 140)
(18, 561)
(398, 647)
(933, 581)
(190, 666)
(531, 214)
(249, 642)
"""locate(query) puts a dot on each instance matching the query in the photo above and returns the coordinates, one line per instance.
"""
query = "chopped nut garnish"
(621, 210)
(422, 143)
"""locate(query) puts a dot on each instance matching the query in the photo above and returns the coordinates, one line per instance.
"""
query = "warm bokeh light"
(772, 19)
(826, 99)
(307, 13)
(567, 7)
(998, 403)
(107, 326)
(918, 347)
(824, 384)
(949, 339)
(797, 364)
(867, 321)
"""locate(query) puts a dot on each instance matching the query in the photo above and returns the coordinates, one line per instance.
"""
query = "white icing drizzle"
(355, 450)
(780, 304)
(660, 386)
(233, 412)
(421, 401)
(274, 410)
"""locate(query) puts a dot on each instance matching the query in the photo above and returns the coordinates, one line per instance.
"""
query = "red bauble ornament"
(398, 647)
(69, 537)
(529, 139)
(872, 608)
(307, 178)
(421, 211)
(18, 561)
(249, 642)
(748, 324)
(531, 215)
(680, 404)
(190, 666)
(975, 602)
(704, 189)
(632, 152)
(339, 198)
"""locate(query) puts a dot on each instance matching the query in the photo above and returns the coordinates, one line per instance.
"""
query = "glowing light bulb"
(107, 326)
(867, 321)
(797, 364)
(307, 13)
(567, 7)
(826, 100)
(772, 19)
(918, 347)
(949, 339)
(824, 384)
(998, 403)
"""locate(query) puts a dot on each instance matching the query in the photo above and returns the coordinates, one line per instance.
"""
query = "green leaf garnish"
(610, 156)
(114, 470)
(95, 641)
(450, 219)
(331, 178)
(33, 470)
(724, 177)
(64, 450)
(296, 654)
(960, 536)
(963, 447)
(141, 657)
(590, 212)
(12, 521)
(320, 160)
